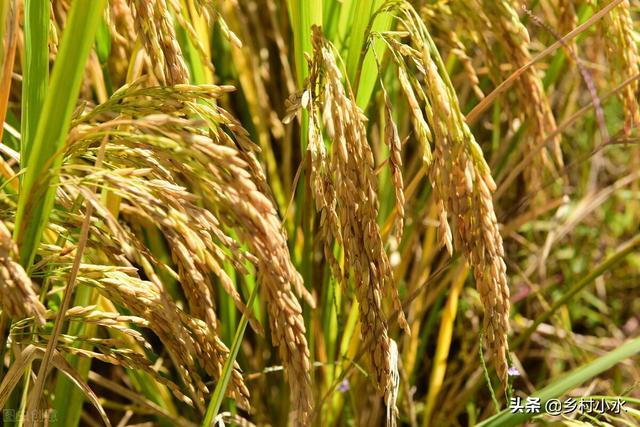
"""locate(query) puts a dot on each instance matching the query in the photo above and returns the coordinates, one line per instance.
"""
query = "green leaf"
(358, 18)
(36, 69)
(45, 150)
(303, 14)
(103, 42)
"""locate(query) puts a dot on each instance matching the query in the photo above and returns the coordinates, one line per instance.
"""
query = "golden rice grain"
(622, 53)
(230, 191)
(462, 182)
(507, 30)
(346, 197)
(17, 296)
(154, 24)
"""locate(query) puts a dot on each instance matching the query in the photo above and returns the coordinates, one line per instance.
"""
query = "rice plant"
(319, 212)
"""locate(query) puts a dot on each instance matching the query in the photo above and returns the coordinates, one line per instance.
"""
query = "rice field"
(319, 213)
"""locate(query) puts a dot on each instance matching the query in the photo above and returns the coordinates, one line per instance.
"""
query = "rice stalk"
(392, 140)
(122, 42)
(440, 18)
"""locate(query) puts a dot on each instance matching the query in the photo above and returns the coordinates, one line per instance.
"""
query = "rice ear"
(17, 295)
(392, 140)
(154, 25)
(622, 53)
(195, 179)
(462, 187)
(533, 101)
(346, 197)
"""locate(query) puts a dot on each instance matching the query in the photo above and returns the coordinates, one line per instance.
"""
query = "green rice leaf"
(36, 69)
(38, 189)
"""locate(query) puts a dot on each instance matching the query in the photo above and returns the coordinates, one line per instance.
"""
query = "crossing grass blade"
(221, 386)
